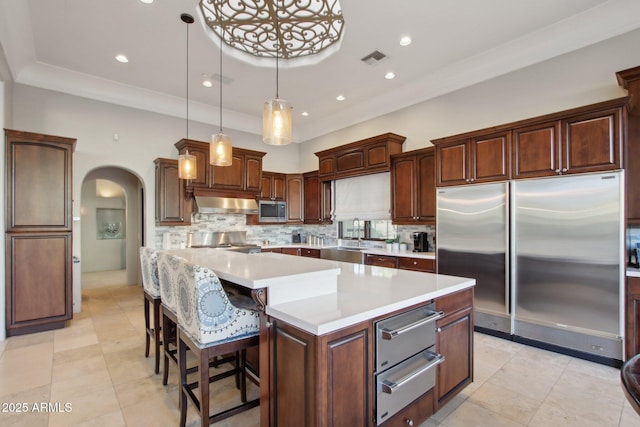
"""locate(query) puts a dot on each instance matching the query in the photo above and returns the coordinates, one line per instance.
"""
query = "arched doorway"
(111, 227)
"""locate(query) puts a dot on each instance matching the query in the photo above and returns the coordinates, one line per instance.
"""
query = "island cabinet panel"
(295, 200)
(413, 188)
(454, 340)
(536, 150)
(592, 142)
(322, 380)
(172, 208)
(632, 318)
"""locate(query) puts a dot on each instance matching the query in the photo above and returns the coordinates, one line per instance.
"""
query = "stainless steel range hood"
(225, 205)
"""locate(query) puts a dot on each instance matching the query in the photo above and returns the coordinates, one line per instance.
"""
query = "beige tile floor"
(96, 366)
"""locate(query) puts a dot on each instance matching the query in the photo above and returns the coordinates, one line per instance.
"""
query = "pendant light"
(187, 162)
(277, 113)
(220, 152)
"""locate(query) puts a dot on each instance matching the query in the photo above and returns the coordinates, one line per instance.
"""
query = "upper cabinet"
(243, 176)
(630, 80)
(295, 203)
(172, 208)
(371, 155)
(585, 139)
(317, 199)
(273, 186)
(38, 181)
(476, 159)
(413, 189)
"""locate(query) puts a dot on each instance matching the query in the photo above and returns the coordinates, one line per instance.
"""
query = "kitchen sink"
(345, 254)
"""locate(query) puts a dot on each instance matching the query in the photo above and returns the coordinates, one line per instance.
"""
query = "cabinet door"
(381, 261)
(294, 198)
(266, 190)
(416, 264)
(377, 155)
(536, 150)
(426, 188)
(326, 166)
(291, 251)
(632, 317)
(592, 142)
(274, 250)
(39, 281)
(326, 202)
(453, 163)
(253, 173)
(279, 190)
(171, 207)
(490, 158)
(403, 181)
(350, 160)
(312, 214)
(38, 182)
(310, 253)
(230, 177)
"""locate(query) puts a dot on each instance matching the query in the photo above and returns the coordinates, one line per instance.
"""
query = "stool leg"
(182, 366)
(146, 326)
(165, 343)
(156, 331)
(237, 369)
(203, 385)
(243, 375)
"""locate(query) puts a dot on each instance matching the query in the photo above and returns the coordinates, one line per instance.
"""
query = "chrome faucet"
(356, 222)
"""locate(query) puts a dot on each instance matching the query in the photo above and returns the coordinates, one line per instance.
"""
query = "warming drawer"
(404, 335)
(402, 384)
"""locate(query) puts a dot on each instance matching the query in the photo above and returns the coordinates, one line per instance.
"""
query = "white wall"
(579, 78)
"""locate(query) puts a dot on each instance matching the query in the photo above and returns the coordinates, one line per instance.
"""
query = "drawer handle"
(389, 387)
(388, 334)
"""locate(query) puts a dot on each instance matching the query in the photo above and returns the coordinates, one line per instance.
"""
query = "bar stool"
(168, 266)
(210, 325)
(151, 286)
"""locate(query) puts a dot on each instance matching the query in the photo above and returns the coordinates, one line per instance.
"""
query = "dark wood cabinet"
(371, 155)
(172, 208)
(482, 158)
(454, 340)
(413, 188)
(243, 177)
(273, 186)
(317, 199)
(381, 260)
(295, 198)
(536, 150)
(38, 239)
(632, 318)
(322, 380)
(310, 252)
(275, 250)
(630, 80)
(291, 251)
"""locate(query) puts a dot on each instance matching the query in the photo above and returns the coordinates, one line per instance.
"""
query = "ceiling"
(70, 45)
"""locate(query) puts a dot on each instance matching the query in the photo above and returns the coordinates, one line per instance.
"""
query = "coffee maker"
(420, 241)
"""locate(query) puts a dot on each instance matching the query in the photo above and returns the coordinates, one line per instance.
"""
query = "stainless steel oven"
(405, 359)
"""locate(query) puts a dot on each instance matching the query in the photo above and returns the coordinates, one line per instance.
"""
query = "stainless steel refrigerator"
(547, 255)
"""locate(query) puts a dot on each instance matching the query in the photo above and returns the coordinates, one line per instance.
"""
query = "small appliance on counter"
(295, 237)
(420, 241)
(634, 255)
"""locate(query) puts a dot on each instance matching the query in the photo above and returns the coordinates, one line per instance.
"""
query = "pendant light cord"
(221, 42)
(277, 49)
(187, 85)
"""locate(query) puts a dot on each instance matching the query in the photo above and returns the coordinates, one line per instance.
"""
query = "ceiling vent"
(223, 79)
(374, 58)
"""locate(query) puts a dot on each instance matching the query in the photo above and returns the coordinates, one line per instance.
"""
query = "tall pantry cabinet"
(38, 234)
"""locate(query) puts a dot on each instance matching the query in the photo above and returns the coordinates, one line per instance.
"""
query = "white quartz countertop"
(364, 292)
(255, 272)
(374, 251)
(633, 272)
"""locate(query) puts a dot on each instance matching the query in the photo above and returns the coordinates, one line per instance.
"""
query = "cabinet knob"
(438, 330)
(564, 169)
(473, 179)
(558, 171)
(267, 325)
(409, 422)
(415, 262)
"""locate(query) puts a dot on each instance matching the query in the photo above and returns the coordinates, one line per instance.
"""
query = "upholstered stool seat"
(210, 325)
(151, 286)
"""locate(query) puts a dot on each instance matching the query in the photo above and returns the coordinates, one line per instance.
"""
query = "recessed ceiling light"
(305, 114)
(390, 75)
(147, 1)
(122, 58)
(206, 81)
(405, 41)
(340, 98)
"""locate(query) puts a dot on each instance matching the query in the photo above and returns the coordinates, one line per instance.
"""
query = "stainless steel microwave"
(272, 211)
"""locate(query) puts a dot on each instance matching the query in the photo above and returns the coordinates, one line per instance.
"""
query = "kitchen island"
(318, 339)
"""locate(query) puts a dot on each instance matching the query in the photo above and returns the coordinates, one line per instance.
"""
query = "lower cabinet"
(329, 380)
(308, 252)
(322, 380)
(424, 265)
(276, 250)
(454, 340)
(632, 318)
(38, 281)
(291, 251)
